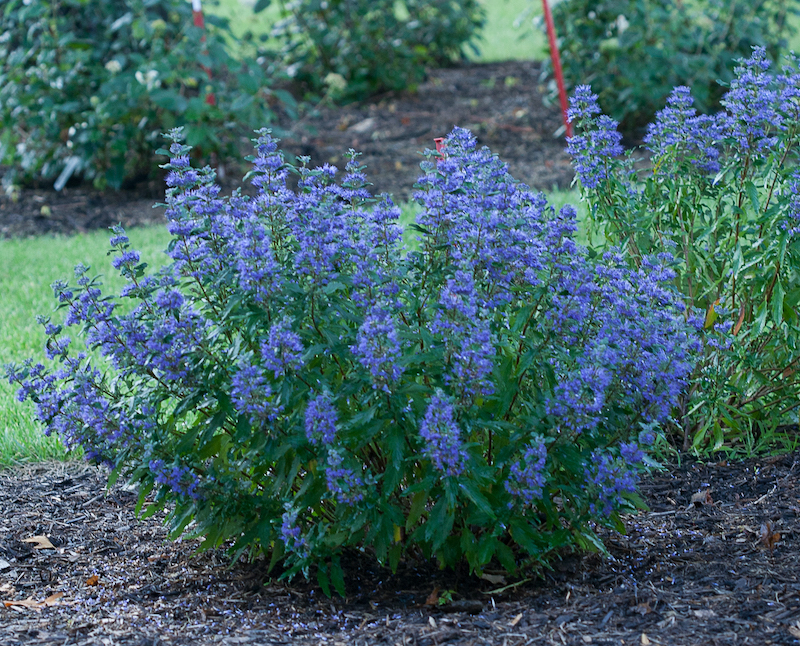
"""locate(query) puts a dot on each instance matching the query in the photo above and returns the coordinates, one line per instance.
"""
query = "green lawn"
(28, 267)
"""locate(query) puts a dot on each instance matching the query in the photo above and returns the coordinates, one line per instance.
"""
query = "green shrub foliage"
(721, 193)
(350, 49)
(633, 52)
(297, 382)
(90, 85)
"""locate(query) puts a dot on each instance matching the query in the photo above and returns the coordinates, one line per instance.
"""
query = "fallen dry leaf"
(645, 640)
(31, 603)
(768, 536)
(702, 498)
(494, 579)
(93, 580)
(42, 542)
(52, 600)
(433, 597)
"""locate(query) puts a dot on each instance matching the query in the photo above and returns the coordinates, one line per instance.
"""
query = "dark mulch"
(500, 102)
(709, 572)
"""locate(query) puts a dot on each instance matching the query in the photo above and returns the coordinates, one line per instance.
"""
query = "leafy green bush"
(722, 193)
(633, 52)
(90, 86)
(296, 382)
(354, 48)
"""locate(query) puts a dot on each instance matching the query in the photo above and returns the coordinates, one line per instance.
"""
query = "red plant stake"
(199, 21)
(554, 56)
(439, 141)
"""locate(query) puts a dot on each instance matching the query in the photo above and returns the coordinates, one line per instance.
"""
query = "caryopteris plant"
(721, 194)
(297, 383)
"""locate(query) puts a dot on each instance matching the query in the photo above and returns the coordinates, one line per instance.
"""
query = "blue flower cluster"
(320, 420)
(600, 141)
(528, 476)
(613, 477)
(442, 436)
(179, 479)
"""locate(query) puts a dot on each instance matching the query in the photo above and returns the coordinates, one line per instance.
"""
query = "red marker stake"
(199, 21)
(554, 56)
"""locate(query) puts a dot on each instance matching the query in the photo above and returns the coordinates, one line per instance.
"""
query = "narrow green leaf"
(417, 507)
(752, 193)
(469, 488)
(777, 302)
(337, 577)
(324, 580)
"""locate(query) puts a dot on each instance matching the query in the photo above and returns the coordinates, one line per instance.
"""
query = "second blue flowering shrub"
(721, 193)
(297, 383)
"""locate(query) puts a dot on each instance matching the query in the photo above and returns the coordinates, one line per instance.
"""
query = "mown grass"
(27, 269)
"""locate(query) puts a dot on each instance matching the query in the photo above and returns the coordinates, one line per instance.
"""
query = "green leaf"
(752, 193)
(505, 555)
(417, 507)
(169, 100)
(324, 580)
(777, 302)
(337, 577)
(471, 489)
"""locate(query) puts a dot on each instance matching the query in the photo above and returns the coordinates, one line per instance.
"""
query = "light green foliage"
(88, 92)
(508, 32)
(350, 49)
(633, 52)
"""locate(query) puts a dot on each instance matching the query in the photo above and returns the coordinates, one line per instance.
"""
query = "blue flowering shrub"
(721, 193)
(296, 382)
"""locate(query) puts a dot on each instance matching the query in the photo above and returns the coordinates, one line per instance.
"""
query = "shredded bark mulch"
(714, 561)
(500, 102)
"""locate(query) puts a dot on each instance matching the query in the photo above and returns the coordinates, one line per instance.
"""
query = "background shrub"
(633, 52)
(297, 383)
(91, 86)
(721, 193)
(354, 48)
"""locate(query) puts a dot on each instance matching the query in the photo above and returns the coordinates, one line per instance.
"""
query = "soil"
(500, 102)
(713, 561)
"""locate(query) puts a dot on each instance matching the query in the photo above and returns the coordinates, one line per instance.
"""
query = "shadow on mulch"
(501, 103)
(720, 570)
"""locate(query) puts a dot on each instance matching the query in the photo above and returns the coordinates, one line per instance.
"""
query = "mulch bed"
(720, 570)
(500, 102)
